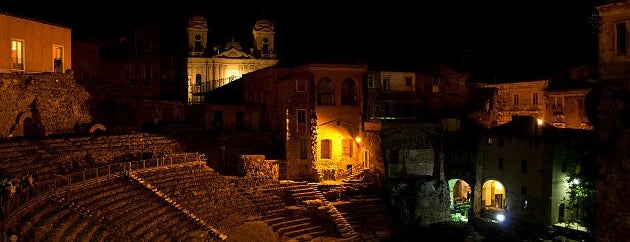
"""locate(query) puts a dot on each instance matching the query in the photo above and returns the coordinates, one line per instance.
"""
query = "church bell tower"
(264, 39)
(197, 35)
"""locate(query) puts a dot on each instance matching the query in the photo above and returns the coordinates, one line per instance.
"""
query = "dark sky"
(509, 38)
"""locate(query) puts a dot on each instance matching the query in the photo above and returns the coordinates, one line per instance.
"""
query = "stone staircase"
(345, 230)
(367, 214)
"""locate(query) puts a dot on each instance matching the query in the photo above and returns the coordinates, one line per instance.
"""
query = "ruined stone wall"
(613, 159)
(419, 202)
(257, 166)
(412, 148)
(43, 104)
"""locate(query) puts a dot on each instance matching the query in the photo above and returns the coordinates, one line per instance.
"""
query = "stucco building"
(34, 46)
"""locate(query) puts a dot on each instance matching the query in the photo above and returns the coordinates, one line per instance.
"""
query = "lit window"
(58, 59)
(17, 55)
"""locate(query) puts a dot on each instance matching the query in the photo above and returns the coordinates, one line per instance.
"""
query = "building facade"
(33, 46)
(312, 113)
(613, 127)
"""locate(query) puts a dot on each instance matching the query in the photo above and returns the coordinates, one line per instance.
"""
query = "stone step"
(304, 231)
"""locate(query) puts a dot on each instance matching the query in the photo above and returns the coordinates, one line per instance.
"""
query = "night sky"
(509, 39)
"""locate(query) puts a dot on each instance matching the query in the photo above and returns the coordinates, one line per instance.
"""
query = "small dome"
(197, 21)
(263, 24)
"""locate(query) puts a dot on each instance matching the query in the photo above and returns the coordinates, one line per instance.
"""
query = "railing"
(19, 203)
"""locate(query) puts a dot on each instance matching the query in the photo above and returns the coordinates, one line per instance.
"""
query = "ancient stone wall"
(419, 202)
(257, 166)
(41, 104)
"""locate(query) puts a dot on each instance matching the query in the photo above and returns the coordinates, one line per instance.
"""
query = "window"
(17, 55)
(408, 81)
(348, 92)
(347, 147)
(301, 85)
(301, 120)
(326, 92)
(58, 59)
(515, 99)
(326, 149)
(524, 166)
(386, 83)
(501, 161)
(523, 190)
(148, 75)
(129, 73)
(621, 45)
(198, 79)
(535, 98)
(501, 142)
(370, 82)
(435, 84)
(557, 104)
(303, 149)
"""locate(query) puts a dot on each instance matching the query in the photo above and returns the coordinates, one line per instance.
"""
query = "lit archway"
(461, 199)
(493, 195)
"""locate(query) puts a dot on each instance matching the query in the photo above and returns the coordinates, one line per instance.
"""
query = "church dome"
(197, 21)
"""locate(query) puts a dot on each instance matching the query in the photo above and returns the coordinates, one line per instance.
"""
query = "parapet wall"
(41, 104)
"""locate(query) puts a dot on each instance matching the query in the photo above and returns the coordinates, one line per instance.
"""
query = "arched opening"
(493, 197)
(97, 129)
(29, 127)
(326, 92)
(461, 199)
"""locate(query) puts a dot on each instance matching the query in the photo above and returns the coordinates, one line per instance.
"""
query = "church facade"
(212, 67)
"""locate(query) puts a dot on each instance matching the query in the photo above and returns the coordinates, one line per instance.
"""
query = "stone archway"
(25, 126)
(97, 128)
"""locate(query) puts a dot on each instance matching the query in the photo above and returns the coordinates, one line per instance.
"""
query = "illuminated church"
(210, 67)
